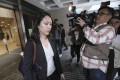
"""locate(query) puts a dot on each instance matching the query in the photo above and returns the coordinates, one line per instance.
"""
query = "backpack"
(35, 66)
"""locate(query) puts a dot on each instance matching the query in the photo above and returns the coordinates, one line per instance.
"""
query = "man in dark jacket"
(63, 38)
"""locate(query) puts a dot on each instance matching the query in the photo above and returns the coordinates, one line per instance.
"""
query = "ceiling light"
(69, 7)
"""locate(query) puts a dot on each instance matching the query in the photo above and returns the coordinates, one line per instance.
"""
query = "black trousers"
(111, 71)
(119, 71)
(54, 76)
(58, 43)
(76, 49)
(86, 73)
(63, 43)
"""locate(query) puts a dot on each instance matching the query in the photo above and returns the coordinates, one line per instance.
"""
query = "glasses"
(101, 13)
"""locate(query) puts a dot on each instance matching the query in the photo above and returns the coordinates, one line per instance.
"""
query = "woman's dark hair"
(35, 35)
(115, 17)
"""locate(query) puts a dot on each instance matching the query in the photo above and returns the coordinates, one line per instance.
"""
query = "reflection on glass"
(8, 31)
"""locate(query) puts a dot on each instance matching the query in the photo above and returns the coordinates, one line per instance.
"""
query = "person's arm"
(28, 60)
(105, 35)
(71, 32)
(57, 62)
(59, 67)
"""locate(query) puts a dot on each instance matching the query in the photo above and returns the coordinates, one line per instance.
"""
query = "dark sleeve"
(28, 60)
(71, 33)
(57, 61)
(63, 32)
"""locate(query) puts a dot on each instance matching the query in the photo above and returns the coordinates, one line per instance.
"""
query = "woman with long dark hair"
(47, 59)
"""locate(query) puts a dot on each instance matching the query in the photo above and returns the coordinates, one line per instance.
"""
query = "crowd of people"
(97, 47)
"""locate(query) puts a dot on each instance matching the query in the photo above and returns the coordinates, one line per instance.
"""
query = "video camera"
(105, 3)
(88, 18)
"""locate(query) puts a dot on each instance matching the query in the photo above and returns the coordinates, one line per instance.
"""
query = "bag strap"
(101, 27)
(34, 55)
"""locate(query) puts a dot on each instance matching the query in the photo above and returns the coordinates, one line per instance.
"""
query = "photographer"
(94, 54)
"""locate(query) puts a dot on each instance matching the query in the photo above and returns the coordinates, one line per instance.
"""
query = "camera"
(88, 18)
(105, 3)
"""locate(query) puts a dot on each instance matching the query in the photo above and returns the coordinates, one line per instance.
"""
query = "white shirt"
(49, 57)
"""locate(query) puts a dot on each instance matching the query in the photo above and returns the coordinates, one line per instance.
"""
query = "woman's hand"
(62, 77)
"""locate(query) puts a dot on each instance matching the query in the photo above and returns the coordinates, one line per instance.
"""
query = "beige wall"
(6, 13)
(60, 14)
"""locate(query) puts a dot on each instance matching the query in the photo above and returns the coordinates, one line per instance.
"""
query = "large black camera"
(105, 3)
(88, 18)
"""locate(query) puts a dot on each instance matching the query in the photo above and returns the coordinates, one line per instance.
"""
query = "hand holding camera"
(80, 21)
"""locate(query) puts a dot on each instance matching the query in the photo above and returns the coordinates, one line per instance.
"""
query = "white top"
(49, 57)
(116, 41)
(116, 46)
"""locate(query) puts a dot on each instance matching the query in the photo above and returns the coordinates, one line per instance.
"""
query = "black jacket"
(80, 39)
(40, 60)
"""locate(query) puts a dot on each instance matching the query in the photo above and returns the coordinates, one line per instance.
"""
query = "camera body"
(88, 18)
(105, 3)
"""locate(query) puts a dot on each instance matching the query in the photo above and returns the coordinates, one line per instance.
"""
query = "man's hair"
(116, 17)
(55, 20)
(109, 9)
(61, 25)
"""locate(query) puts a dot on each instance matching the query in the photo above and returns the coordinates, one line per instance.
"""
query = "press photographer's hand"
(80, 22)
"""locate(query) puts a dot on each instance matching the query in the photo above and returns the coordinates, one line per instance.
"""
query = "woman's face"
(45, 26)
(115, 23)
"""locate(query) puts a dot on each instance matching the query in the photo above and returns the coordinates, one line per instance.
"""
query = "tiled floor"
(71, 70)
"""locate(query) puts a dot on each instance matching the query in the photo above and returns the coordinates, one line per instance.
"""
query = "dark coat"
(40, 60)
(56, 28)
(80, 39)
(63, 33)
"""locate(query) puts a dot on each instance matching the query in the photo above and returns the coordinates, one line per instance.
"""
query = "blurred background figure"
(56, 32)
(63, 37)
(7, 36)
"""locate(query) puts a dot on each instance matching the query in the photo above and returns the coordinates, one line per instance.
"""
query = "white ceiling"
(89, 5)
